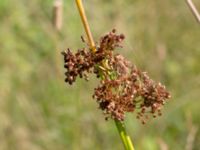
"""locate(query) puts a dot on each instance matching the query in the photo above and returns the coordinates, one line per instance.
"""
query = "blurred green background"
(38, 111)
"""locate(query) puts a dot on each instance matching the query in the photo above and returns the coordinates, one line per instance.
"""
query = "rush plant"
(123, 87)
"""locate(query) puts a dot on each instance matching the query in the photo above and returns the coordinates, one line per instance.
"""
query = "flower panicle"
(123, 87)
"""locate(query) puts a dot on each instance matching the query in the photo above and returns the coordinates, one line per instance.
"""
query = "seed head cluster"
(134, 92)
(78, 64)
(123, 87)
(85, 61)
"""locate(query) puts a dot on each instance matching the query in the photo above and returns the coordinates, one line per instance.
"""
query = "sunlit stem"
(194, 10)
(85, 24)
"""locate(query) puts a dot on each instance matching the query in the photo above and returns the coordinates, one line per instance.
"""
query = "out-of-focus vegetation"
(38, 111)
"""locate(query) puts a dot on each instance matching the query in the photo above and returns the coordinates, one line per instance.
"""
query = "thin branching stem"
(120, 126)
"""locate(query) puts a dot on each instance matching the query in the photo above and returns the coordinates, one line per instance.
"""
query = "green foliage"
(39, 111)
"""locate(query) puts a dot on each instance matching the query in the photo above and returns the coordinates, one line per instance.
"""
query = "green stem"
(124, 136)
(120, 126)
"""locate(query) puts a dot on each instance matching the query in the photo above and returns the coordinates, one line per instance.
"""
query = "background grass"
(38, 111)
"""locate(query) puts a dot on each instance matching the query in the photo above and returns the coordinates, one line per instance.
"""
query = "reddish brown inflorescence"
(123, 87)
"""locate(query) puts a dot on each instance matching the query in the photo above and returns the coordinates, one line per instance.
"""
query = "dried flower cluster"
(133, 92)
(84, 61)
(123, 87)
(78, 64)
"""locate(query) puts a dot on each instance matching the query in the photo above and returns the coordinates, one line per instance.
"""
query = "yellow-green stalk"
(85, 24)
